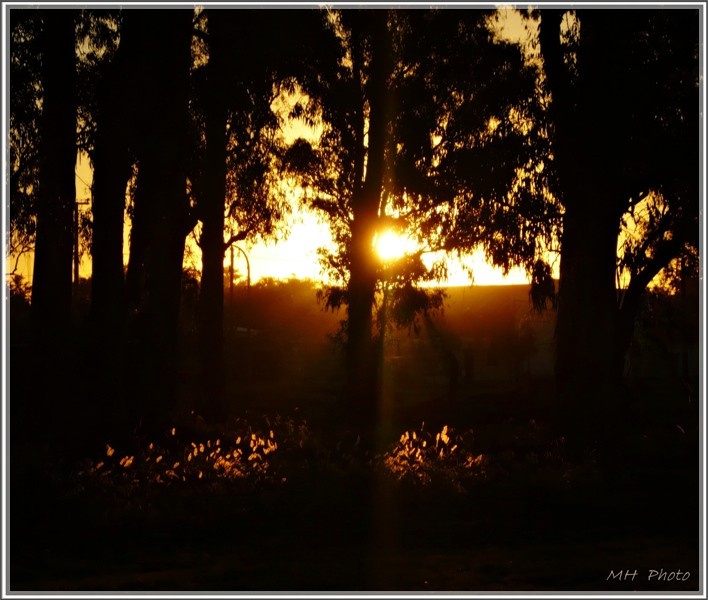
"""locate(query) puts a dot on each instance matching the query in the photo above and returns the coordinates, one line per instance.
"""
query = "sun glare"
(390, 245)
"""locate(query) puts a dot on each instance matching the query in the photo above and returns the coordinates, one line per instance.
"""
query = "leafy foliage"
(476, 141)
(24, 131)
(97, 37)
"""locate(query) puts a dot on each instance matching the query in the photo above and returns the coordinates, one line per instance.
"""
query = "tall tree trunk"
(211, 298)
(587, 312)
(212, 204)
(51, 285)
(162, 151)
(112, 161)
(362, 352)
(111, 173)
(587, 309)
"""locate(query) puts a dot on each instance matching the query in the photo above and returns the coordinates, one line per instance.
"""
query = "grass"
(272, 504)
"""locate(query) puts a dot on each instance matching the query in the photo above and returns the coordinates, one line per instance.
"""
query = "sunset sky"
(296, 255)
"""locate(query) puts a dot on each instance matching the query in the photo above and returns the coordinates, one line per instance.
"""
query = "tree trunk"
(362, 358)
(112, 162)
(165, 69)
(363, 355)
(587, 311)
(119, 106)
(51, 285)
(586, 328)
(212, 204)
(111, 172)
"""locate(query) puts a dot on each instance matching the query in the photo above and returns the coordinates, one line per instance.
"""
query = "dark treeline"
(581, 143)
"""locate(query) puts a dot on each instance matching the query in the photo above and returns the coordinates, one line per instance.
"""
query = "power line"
(81, 179)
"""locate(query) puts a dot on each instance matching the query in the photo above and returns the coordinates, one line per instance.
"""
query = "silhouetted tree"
(112, 148)
(42, 154)
(366, 200)
(112, 157)
(234, 96)
(623, 109)
(345, 173)
(56, 192)
(141, 121)
(162, 150)
(424, 116)
(235, 179)
(211, 203)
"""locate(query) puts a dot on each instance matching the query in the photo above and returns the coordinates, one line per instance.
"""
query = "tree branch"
(237, 237)
(25, 248)
(661, 259)
(635, 199)
(202, 35)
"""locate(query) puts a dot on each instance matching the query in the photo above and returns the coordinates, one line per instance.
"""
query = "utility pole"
(77, 257)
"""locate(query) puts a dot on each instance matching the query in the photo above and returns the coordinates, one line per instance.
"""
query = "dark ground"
(336, 524)
(326, 515)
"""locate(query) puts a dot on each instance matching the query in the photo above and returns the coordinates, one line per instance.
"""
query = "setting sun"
(390, 245)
